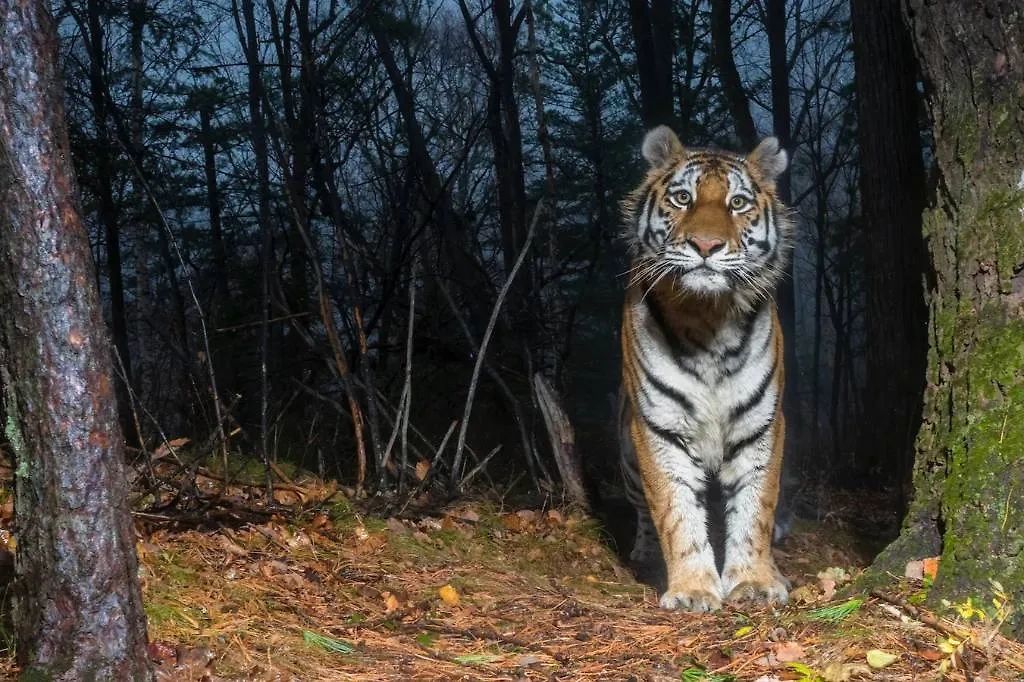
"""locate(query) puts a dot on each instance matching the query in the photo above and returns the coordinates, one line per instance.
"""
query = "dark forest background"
(304, 212)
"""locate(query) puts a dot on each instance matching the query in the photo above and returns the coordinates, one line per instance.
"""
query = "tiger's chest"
(702, 385)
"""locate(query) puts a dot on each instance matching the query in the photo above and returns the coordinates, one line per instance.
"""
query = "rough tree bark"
(78, 606)
(969, 473)
(892, 196)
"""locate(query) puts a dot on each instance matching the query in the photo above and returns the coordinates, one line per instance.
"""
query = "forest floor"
(325, 589)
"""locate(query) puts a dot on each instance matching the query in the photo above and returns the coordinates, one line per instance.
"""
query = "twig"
(211, 374)
(921, 615)
(327, 317)
(433, 467)
(291, 487)
(407, 388)
(513, 402)
(476, 470)
(247, 325)
(461, 444)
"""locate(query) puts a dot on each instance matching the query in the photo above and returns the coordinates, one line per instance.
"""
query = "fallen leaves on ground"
(484, 593)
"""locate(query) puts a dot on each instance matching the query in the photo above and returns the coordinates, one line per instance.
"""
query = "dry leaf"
(805, 594)
(449, 595)
(422, 469)
(512, 522)
(467, 515)
(230, 547)
(787, 652)
(914, 570)
(555, 517)
(931, 567)
(828, 588)
(396, 526)
(879, 659)
(165, 448)
(391, 602)
(292, 580)
(842, 672)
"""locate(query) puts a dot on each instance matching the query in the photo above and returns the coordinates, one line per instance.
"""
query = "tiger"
(702, 367)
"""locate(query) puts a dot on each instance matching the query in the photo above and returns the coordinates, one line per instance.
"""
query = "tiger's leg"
(676, 489)
(750, 483)
(646, 551)
(645, 544)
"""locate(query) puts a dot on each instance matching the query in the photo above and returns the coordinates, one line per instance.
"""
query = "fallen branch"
(563, 440)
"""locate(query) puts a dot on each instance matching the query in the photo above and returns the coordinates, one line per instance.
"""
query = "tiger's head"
(709, 220)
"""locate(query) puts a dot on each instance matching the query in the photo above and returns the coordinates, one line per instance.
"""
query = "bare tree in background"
(78, 606)
(652, 22)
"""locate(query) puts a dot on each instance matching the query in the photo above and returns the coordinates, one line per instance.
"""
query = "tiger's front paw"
(699, 591)
(771, 590)
(700, 601)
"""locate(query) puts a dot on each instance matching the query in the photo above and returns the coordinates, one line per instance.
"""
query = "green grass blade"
(326, 643)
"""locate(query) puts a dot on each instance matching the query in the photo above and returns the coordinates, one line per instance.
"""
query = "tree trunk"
(892, 196)
(78, 606)
(785, 295)
(652, 34)
(108, 213)
(729, 75)
(258, 133)
(969, 473)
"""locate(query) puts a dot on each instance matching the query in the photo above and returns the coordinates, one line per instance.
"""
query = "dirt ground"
(325, 588)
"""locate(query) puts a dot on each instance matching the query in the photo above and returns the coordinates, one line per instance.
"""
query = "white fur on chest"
(704, 386)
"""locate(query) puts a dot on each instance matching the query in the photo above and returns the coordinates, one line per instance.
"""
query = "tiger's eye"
(738, 203)
(682, 197)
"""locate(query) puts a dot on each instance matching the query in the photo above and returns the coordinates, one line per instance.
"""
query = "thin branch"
(461, 444)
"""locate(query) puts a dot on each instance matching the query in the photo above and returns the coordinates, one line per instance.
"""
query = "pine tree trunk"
(78, 606)
(969, 473)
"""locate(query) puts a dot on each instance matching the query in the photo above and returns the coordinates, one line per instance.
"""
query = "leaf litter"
(325, 590)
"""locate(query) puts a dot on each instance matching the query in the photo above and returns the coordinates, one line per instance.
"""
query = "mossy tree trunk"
(969, 472)
(77, 603)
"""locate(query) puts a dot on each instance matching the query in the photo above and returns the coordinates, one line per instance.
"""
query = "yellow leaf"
(745, 630)
(449, 595)
(879, 659)
(391, 602)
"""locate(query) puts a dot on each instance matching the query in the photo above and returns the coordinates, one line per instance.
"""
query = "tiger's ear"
(770, 159)
(661, 147)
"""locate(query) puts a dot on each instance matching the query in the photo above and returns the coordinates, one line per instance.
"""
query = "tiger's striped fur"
(702, 366)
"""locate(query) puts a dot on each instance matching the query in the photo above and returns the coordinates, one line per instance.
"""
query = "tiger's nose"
(706, 245)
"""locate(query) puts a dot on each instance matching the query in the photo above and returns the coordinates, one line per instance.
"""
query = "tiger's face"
(709, 220)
